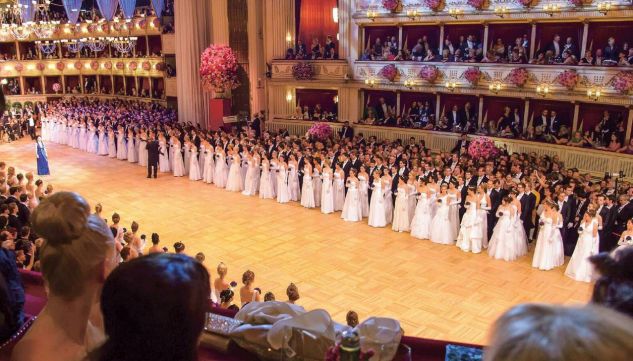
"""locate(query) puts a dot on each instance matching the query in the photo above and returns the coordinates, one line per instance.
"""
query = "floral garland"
(623, 82)
(108, 65)
(302, 71)
(429, 73)
(56, 87)
(92, 28)
(518, 77)
(472, 75)
(434, 5)
(60, 65)
(156, 22)
(41, 66)
(78, 65)
(580, 3)
(94, 65)
(525, 3)
(320, 131)
(482, 147)
(391, 5)
(133, 65)
(569, 79)
(160, 66)
(147, 66)
(389, 72)
(218, 68)
(19, 67)
(120, 65)
(477, 4)
(105, 27)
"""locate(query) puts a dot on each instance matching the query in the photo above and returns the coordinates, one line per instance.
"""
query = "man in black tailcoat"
(152, 156)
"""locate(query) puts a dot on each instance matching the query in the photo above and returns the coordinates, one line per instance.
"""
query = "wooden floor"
(435, 291)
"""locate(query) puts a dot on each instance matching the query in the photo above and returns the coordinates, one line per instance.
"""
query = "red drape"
(316, 21)
(379, 32)
(312, 97)
(564, 110)
(493, 107)
(508, 33)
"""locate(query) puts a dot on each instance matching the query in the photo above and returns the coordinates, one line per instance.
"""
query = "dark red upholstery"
(7, 347)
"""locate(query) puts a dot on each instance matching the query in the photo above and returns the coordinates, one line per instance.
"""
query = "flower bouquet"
(429, 73)
(482, 147)
(579, 3)
(60, 65)
(320, 131)
(120, 65)
(78, 65)
(623, 82)
(391, 5)
(57, 87)
(41, 66)
(389, 72)
(133, 65)
(434, 5)
(569, 79)
(477, 4)
(472, 75)
(525, 3)
(518, 77)
(94, 65)
(19, 67)
(147, 66)
(302, 71)
(218, 68)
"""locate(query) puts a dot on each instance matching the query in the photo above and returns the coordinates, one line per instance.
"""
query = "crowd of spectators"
(316, 51)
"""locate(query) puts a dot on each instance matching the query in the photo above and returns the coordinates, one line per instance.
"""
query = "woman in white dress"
(401, 221)
(482, 212)
(470, 234)
(454, 202)
(579, 267)
(234, 181)
(202, 150)
(442, 231)
(502, 243)
(132, 155)
(121, 149)
(307, 191)
(352, 211)
(221, 169)
(421, 224)
(293, 178)
(549, 252)
(339, 187)
(283, 192)
(251, 180)
(111, 144)
(377, 215)
(194, 165)
(100, 141)
(363, 179)
(316, 182)
(187, 154)
(386, 194)
(412, 190)
(82, 136)
(327, 191)
(163, 158)
(266, 190)
(626, 239)
(178, 163)
(142, 149)
(209, 164)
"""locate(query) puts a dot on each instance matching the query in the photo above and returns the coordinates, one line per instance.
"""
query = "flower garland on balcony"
(472, 75)
(391, 5)
(105, 27)
(580, 3)
(477, 4)
(60, 65)
(623, 82)
(94, 65)
(389, 72)
(429, 73)
(526, 3)
(133, 65)
(57, 87)
(108, 65)
(320, 131)
(120, 65)
(78, 65)
(482, 147)
(569, 79)
(19, 67)
(218, 68)
(147, 66)
(434, 5)
(41, 66)
(156, 22)
(518, 77)
(302, 71)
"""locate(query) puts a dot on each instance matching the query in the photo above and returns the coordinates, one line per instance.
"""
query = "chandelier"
(124, 45)
(95, 44)
(73, 45)
(47, 47)
(43, 25)
(21, 32)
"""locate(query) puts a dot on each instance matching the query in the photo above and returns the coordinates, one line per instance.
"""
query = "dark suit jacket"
(622, 215)
(459, 145)
(454, 119)
(152, 152)
(346, 132)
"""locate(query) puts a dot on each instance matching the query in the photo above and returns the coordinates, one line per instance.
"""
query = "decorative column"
(574, 125)
(480, 115)
(346, 38)
(257, 65)
(437, 99)
(278, 104)
(441, 40)
(279, 23)
(486, 30)
(400, 43)
(398, 108)
(348, 105)
(220, 21)
(629, 125)
(585, 36)
(533, 41)
(526, 114)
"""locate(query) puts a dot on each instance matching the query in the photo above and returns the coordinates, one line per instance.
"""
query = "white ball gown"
(93, 145)
(82, 138)
(293, 183)
(234, 180)
(442, 230)
(339, 191)
(178, 167)
(470, 234)
(266, 189)
(352, 211)
(103, 143)
(506, 242)
(194, 166)
(401, 221)
(387, 200)
(209, 166)
(111, 145)
(412, 191)
(142, 152)
(283, 192)
(221, 170)
(363, 188)
(421, 224)
(377, 214)
(316, 185)
(579, 267)
(132, 155)
(163, 158)
(187, 157)
(549, 252)
(327, 194)
(121, 149)
(453, 213)
(251, 180)
(307, 191)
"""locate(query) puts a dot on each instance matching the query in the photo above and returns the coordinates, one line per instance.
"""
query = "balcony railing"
(330, 70)
(153, 67)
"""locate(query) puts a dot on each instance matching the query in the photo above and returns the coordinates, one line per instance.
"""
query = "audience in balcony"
(317, 113)
(327, 51)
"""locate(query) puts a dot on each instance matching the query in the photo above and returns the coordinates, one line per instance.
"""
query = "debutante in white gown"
(470, 234)
(316, 185)
(549, 252)
(250, 180)
(234, 181)
(266, 189)
(163, 158)
(442, 231)
(209, 166)
(93, 147)
(187, 157)
(293, 183)
(339, 191)
(352, 211)
(327, 194)
(194, 165)
(307, 191)
(111, 145)
(400, 222)
(453, 213)
(505, 243)
(579, 267)
(178, 163)
(121, 149)
(363, 188)
(421, 224)
(221, 171)
(142, 152)
(283, 192)
(377, 216)
(388, 201)
(132, 155)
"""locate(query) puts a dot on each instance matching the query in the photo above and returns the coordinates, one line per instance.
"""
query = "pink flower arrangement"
(41, 66)
(120, 65)
(518, 77)
(19, 67)
(117, 26)
(477, 4)
(57, 87)
(389, 72)
(105, 27)
(302, 71)
(92, 28)
(482, 147)
(525, 3)
(623, 82)
(147, 66)
(472, 75)
(434, 5)
(569, 79)
(60, 65)
(579, 3)
(94, 65)
(391, 5)
(429, 73)
(218, 68)
(108, 65)
(142, 24)
(133, 65)
(320, 131)
(156, 22)
(78, 65)
(160, 66)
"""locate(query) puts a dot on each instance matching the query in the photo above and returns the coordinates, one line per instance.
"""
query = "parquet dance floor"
(435, 291)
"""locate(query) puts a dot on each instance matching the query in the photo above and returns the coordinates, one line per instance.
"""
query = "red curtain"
(493, 106)
(591, 114)
(564, 110)
(315, 21)
(372, 96)
(599, 34)
(411, 34)
(508, 33)
(312, 97)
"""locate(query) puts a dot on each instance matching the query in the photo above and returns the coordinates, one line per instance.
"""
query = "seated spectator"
(576, 140)
(629, 56)
(490, 57)
(76, 257)
(329, 51)
(544, 333)
(226, 300)
(248, 293)
(316, 49)
(499, 49)
(300, 50)
(611, 52)
(446, 56)
(614, 144)
(569, 58)
(599, 60)
(417, 52)
(430, 56)
(562, 137)
(623, 59)
(516, 57)
(367, 55)
(351, 319)
(588, 59)
(172, 320)
(627, 149)
(269, 297)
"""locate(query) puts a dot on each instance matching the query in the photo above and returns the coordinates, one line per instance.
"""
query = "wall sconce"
(288, 38)
(289, 96)
(501, 11)
(413, 13)
(551, 9)
(495, 87)
(455, 12)
(372, 14)
(335, 15)
(604, 7)
(542, 90)
(335, 99)
(450, 85)
(409, 83)
(4, 81)
(371, 82)
(594, 93)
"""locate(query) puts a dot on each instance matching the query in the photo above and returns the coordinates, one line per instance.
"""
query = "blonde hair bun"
(61, 218)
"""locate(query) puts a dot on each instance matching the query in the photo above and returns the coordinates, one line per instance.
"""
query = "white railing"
(595, 162)
(323, 69)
